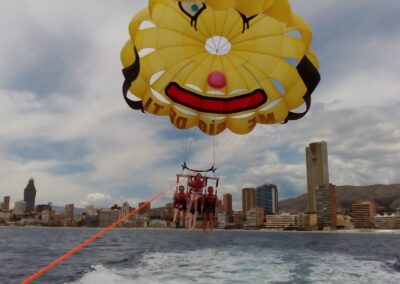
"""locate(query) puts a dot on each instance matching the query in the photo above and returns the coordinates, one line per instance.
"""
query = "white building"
(19, 208)
(222, 221)
(282, 221)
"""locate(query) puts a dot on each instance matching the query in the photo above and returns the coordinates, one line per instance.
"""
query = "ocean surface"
(177, 256)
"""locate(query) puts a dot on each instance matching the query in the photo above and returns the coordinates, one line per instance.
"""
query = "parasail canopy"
(218, 64)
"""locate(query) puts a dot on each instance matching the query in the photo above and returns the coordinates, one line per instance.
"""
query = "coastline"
(351, 231)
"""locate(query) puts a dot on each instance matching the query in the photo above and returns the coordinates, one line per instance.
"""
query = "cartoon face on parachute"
(219, 64)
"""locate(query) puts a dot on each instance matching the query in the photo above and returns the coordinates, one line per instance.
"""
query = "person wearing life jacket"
(180, 198)
(210, 202)
(196, 185)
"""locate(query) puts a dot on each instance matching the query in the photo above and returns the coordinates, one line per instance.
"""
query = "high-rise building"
(6, 203)
(125, 209)
(317, 170)
(108, 217)
(30, 195)
(267, 198)
(325, 200)
(146, 209)
(228, 205)
(248, 199)
(69, 215)
(19, 208)
(363, 214)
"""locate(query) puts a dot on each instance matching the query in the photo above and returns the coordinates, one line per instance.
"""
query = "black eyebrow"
(246, 20)
(194, 18)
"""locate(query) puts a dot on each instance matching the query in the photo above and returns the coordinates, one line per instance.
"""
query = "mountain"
(387, 196)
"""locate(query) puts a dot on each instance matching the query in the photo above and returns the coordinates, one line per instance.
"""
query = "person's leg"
(205, 221)
(190, 223)
(176, 211)
(211, 222)
(196, 201)
(182, 219)
(194, 220)
(190, 204)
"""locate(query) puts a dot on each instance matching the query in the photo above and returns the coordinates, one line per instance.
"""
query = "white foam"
(231, 265)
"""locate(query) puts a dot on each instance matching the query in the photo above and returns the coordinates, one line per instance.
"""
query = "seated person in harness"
(210, 202)
(180, 198)
(196, 185)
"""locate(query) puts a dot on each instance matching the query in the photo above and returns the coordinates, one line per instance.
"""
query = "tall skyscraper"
(69, 215)
(325, 199)
(146, 209)
(228, 204)
(317, 170)
(6, 203)
(267, 198)
(363, 214)
(248, 199)
(30, 195)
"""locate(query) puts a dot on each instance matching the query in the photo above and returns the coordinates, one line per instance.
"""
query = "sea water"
(178, 256)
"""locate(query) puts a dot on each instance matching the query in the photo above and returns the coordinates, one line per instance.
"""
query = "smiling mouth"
(201, 103)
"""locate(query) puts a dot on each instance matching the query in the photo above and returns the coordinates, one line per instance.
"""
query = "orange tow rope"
(96, 236)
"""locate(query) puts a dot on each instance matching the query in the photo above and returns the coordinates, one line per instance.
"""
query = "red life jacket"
(180, 196)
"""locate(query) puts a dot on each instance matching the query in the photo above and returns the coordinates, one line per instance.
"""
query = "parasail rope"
(96, 236)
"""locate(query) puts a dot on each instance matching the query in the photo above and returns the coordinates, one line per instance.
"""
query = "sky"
(63, 120)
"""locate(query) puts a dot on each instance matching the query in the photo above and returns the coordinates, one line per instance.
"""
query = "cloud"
(97, 199)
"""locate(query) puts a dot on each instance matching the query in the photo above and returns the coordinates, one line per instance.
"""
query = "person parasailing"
(180, 198)
(196, 185)
(210, 202)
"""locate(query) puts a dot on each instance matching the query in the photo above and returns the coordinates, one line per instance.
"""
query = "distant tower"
(248, 199)
(69, 215)
(29, 196)
(7, 203)
(317, 170)
(267, 198)
(228, 204)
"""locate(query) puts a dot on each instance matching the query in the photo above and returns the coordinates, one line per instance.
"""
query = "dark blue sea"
(177, 256)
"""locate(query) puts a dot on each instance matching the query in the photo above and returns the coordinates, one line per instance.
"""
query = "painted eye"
(246, 21)
(192, 9)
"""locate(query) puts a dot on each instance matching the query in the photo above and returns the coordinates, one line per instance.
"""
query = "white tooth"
(215, 118)
(216, 93)
(156, 76)
(147, 25)
(145, 51)
(194, 87)
(243, 115)
(300, 109)
(185, 111)
(160, 97)
(271, 105)
(279, 86)
(237, 91)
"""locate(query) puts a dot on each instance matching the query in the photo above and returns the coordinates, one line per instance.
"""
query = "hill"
(387, 196)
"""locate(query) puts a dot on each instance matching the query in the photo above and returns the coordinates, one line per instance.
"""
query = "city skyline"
(74, 134)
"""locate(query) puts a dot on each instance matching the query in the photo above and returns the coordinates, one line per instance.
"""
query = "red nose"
(217, 80)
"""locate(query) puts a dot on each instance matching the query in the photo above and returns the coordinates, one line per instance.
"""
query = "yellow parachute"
(219, 64)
